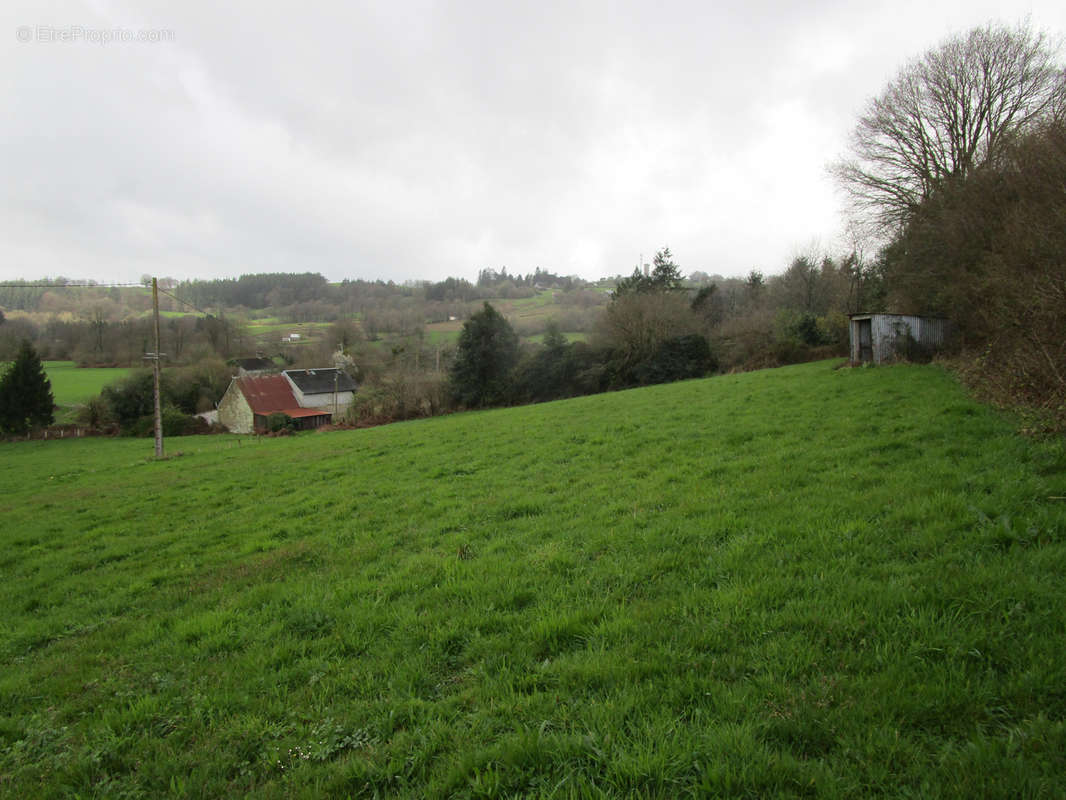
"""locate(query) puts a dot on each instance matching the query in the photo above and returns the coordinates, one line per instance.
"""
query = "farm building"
(877, 338)
(326, 389)
(250, 400)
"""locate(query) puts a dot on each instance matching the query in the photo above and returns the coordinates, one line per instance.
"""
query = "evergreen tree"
(665, 275)
(26, 399)
(547, 373)
(484, 360)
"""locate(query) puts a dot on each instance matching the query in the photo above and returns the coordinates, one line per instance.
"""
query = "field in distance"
(73, 384)
(792, 582)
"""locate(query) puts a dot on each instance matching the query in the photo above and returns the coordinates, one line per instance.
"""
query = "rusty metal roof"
(267, 394)
(272, 394)
(296, 413)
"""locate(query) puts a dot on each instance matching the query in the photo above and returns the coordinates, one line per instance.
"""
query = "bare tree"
(946, 113)
(636, 324)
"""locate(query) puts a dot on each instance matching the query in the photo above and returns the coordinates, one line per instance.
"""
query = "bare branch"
(946, 113)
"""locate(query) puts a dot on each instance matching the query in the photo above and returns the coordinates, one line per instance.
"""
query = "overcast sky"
(417, 140)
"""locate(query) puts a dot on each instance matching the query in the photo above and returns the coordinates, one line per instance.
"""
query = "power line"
(99, 286)
(185, 302)
(68, 285)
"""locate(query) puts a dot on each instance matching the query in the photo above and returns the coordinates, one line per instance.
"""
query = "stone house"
(250, 400)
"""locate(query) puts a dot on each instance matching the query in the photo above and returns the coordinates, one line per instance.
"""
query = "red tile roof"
(271, 394)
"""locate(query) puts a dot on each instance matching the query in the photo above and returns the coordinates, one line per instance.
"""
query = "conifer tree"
(484, 360)
(26, 399)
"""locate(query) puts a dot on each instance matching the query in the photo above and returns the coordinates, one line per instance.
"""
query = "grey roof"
(320, 381)
(253, 364)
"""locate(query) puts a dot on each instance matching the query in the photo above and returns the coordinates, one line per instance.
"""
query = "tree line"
(658, 328)
(99, 338)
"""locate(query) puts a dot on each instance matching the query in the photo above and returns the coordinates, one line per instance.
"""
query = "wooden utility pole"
(156, 356)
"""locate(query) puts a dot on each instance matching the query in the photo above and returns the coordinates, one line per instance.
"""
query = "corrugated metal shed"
(875, 338)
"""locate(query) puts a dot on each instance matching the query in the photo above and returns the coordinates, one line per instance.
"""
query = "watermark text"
(83, 34)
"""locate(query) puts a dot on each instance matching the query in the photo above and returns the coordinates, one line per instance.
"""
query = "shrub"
(94, 414)
(676, 359)
(130, 399)
(278, 422)
(175, 423)
(398, 395)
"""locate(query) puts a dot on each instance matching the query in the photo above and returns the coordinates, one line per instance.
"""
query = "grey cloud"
(422, 139)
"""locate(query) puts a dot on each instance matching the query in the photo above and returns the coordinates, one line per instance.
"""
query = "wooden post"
(155, 373)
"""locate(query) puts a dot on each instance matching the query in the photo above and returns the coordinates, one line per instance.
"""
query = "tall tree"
(945, 113)
(547, 372)
(26, 399)
(485, 357)
(666, 276)
(754, 288)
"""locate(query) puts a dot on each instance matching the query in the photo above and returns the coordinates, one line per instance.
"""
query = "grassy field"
(570, 337)
(72, 384)
(268, 334)
(447, 333)
(528, 309)
(443, 333)
(284, 328)
(796, 582)
(176, 314)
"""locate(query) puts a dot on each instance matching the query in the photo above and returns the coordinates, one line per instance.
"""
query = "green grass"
(175, 314)
(446, 336)
(72, 384)
(797, 582)
(268, 335)
(539, 300)
(528, 308)
(258, 327)
(571, 337)
(442, 336)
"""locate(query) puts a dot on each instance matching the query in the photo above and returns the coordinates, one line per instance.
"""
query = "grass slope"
(798, 582)
(73, 384)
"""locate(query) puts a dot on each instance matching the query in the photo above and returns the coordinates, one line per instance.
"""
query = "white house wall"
(324, 400)
(320, 399)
